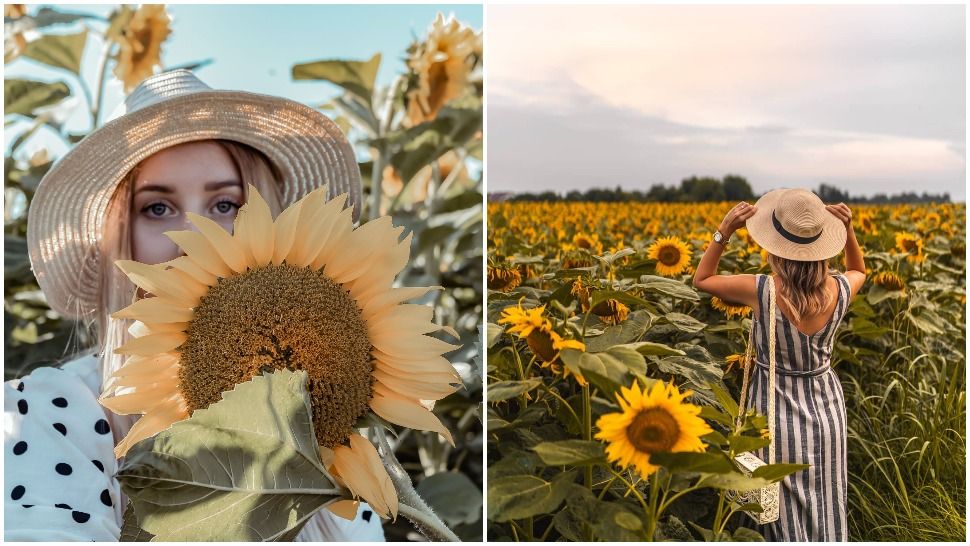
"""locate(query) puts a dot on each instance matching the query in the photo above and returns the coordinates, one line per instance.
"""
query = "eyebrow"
(211, 186)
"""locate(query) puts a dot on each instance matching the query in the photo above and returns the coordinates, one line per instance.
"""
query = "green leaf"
(668, 287)
(743, 444)
(25, 96)
(923, 323)
(453, 497)
(130, 531)
(725, 400)
(657, 349)
(573, 452)
(629, 330)
(356, 77)
(743, 534)
(616, 363)
(733, 481)
(602, 295)
(503, 390)
(685, 323)
(419, 146)
(777, 471)
(714, 462)
(59, 50)
(244, 469)
(877, 294)
(713, 414)
(518, 497)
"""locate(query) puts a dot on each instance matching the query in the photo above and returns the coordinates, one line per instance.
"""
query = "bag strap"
(748, 362)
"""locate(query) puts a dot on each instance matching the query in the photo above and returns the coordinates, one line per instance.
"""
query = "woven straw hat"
(66, 217)
(794, 224)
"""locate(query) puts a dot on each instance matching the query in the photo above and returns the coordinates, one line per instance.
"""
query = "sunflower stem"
(412, 506)
(587, 435)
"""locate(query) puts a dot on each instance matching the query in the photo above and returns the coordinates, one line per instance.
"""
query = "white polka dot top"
(59, 464)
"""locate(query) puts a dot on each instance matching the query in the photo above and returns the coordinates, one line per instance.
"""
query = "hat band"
(791, 236)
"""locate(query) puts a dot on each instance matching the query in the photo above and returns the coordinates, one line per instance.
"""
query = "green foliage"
(251, 458)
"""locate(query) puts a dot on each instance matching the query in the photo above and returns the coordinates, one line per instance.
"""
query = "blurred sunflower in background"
(441, 66)
(889, 280)
(503, 277)
(672, 255)
(306, 292)
(911, 244)
(139, 35)
(730, 309)
(658, 421)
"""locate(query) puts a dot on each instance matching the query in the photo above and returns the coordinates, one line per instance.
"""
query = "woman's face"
(197, 177)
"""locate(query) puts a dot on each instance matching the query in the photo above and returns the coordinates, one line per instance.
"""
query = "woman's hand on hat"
(736, 218)
(842, 212)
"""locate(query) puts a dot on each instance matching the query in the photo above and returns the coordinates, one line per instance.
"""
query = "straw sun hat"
(66, 217)
(794, 224)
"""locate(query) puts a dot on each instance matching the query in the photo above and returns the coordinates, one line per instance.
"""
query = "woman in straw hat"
(800, 234)
(177, 146)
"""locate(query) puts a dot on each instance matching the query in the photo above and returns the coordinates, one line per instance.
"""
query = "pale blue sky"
(254, 46)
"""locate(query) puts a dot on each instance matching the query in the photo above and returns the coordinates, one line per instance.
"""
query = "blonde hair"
(803, 285)
(116, 291)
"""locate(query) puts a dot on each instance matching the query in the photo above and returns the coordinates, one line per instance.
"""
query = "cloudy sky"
(867, 98)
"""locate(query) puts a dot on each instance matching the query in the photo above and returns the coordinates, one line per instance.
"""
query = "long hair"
(803, 285)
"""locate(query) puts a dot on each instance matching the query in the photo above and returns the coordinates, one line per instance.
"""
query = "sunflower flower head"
(441, 65)
(889, 280)
(307, 291)
(672, 255)
(140, 44)
(730, 309)
(503, 277)
(654, 421)
(912, 245)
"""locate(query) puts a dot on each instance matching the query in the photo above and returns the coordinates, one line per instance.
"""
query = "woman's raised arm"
(733, 288)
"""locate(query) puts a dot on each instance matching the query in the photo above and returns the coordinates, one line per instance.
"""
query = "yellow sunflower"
(140, 44)
(307, 292)
(911, 244)
(672, 255)
(503, 277)
(545, 343)
(442, 64)
(655, 422)
(733, 360)
(889, 280)
(730, 309)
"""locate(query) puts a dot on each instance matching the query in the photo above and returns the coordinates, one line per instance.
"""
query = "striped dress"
(809, 422)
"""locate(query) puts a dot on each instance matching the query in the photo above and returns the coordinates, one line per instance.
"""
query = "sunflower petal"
(140, 329)
(198, 248)
(160, 282)
(144, 399)
(378, 304)
(151, 424)
(160, 363)
(191, 268)
(313, 224)
(382, 269)
(436, 364)
(254, 227)
(344, 508)
(285, 228)
(155, 343)
(155, 310)
(406, 413)
(360, 468)
(360, 244)
(409, 345)
(222, 241)
(335, 223)
(434, 390)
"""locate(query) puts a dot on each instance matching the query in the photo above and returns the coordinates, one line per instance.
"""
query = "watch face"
(717, 237)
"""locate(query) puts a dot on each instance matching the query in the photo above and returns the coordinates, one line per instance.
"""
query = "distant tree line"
(730, 188)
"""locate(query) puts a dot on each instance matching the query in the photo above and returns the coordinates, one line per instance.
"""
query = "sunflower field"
(596, 335)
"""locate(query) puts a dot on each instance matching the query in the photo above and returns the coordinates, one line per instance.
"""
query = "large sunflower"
(654, 422)
(307, 292)
(672, 255)
(441, 64)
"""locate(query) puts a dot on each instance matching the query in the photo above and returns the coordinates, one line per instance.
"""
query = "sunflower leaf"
(244, 469)
(574, 452)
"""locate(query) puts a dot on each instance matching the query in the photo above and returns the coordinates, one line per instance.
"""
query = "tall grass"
(907, 446)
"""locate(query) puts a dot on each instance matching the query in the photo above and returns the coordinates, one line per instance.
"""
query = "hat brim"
(762, 230)
(67, 214)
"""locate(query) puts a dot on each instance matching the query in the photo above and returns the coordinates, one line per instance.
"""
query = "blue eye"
(156, 209)
(225, 207)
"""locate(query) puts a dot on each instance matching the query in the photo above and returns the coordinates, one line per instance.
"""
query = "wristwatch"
(719, 238)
